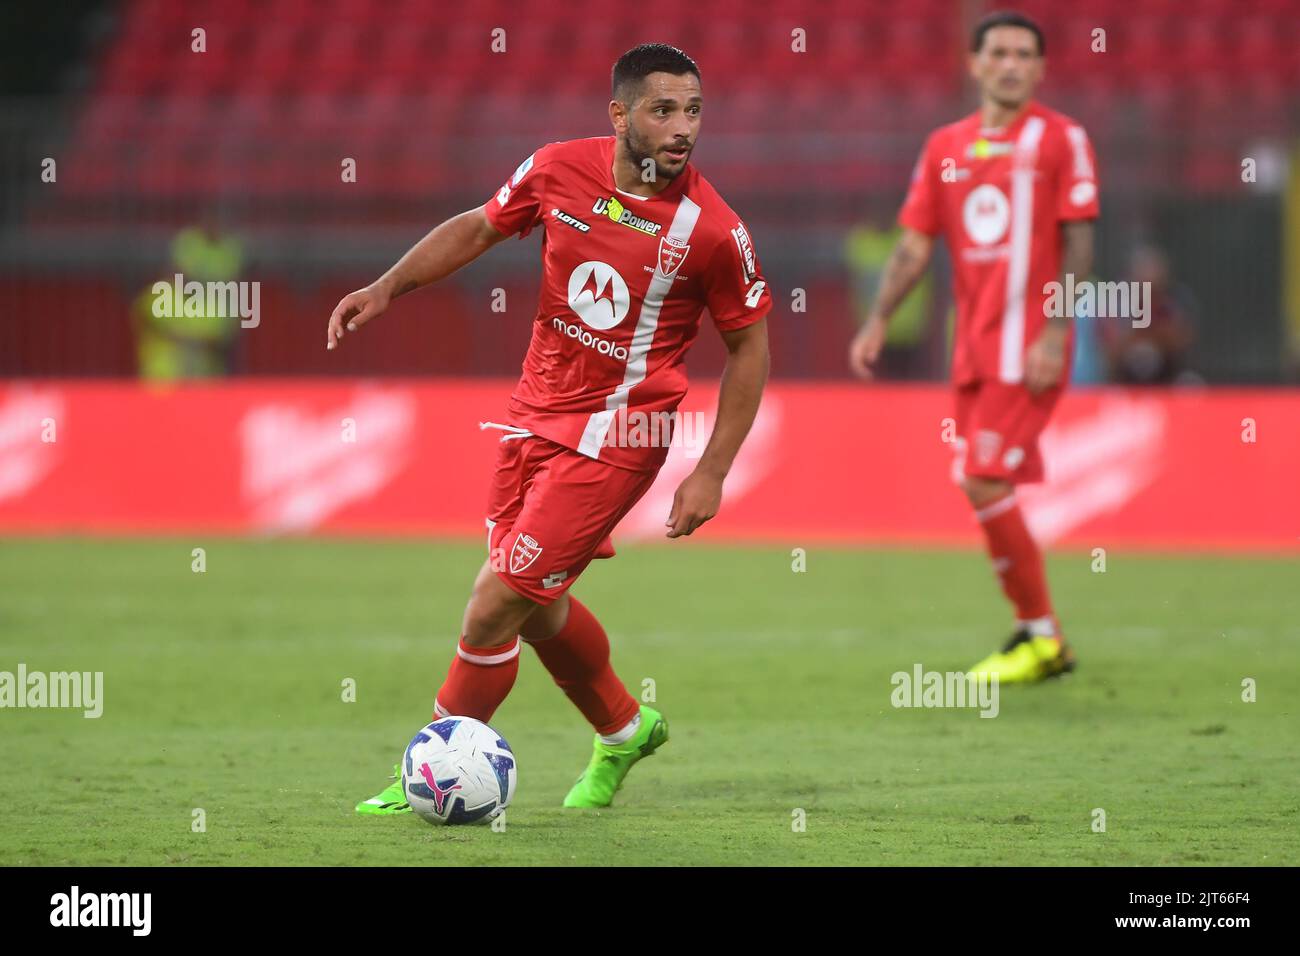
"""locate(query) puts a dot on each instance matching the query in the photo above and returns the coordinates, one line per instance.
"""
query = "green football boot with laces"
(611, 762)
(1027, 659)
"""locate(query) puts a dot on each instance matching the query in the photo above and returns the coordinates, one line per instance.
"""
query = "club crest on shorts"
(987, 443)
(672, 253)
(524, 553)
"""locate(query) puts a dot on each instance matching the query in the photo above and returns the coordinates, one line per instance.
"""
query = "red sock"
(479, 680)
(1016, 558)
(578, 659)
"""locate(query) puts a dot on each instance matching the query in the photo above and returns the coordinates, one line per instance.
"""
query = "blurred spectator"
(907, 353)
(1089, 366)
(1157, 354)
(183, 344)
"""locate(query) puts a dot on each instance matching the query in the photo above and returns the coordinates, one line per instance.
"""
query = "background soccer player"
(1012, 188)
(636, 244)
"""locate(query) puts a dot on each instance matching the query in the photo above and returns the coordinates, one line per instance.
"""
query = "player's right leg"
(482, 672)
(1036, 649)
(999, 426)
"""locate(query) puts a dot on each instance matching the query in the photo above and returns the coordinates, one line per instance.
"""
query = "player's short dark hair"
(1006, 18)
(640, 61)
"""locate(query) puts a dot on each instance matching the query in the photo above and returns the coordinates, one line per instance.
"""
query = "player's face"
(664, 122)
(1007, 66)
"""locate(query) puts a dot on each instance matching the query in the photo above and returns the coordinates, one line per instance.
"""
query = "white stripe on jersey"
(1079, 141)
(593, 436)
(1011, 359)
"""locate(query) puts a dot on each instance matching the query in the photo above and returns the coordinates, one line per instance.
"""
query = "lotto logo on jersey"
(568, 220)
(524, 553)
(620, 214)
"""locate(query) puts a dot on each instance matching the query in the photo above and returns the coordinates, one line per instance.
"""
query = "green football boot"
(388, 801)
(611, 762)
(1027, 659)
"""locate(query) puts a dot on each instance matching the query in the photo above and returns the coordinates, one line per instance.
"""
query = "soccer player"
(1012, 189)
(636, 244)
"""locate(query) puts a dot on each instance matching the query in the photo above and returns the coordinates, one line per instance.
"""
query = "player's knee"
(982, 492)
(495, 613)
(547, 620)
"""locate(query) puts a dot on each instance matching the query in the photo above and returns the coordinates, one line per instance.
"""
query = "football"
(458, 770)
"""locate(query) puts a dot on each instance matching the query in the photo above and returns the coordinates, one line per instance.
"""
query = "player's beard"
(639, 150)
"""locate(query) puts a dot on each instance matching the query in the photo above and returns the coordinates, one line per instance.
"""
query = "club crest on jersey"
(524, 553)
(620, 214)
(672, 253)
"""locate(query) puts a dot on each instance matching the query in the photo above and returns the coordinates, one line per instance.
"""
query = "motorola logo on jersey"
(986, 214)
(598, 295)
(603, 346)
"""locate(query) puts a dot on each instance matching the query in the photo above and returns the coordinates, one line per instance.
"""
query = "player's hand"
(1045, 359)
(354, 310)
(865, 349)
(696, 501)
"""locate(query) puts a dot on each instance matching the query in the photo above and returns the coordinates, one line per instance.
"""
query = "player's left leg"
(574, 648)
(565, 524)
(1000, 427)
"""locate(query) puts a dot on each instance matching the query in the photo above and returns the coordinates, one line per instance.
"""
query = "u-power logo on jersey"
(620, 214)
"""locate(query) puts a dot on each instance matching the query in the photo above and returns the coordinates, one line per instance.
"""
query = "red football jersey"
(624, 281)
(998, 197)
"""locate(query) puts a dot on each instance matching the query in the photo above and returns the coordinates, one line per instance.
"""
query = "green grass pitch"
(223, 692)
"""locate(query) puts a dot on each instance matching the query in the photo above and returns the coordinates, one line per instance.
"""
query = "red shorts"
(997, 431)
(551, 511)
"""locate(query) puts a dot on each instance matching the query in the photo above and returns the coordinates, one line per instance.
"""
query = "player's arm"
(456, 242)
(907, 264)
(1045, 358)
(700, 495)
